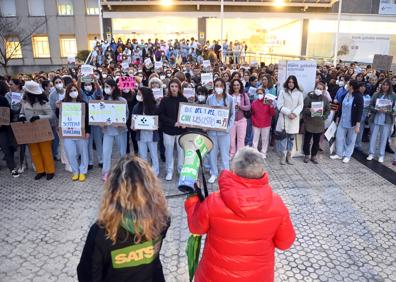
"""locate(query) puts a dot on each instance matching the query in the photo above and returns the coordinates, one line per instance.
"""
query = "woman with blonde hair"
(124, 243)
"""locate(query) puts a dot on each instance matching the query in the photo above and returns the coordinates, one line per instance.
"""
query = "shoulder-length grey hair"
(248, 163)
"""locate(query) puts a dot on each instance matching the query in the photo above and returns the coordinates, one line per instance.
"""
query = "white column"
(222, 21)
(338, 32)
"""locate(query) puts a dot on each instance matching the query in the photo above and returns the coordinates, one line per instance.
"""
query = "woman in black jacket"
(168, 111)
(348, 120)
(124, 244)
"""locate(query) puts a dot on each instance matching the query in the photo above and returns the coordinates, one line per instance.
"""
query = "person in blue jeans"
(93, 91)
(348, 119)
(112, 133)
(57, 94)
(381, 120)
(366, 108)
(221, 140)
(147, 139)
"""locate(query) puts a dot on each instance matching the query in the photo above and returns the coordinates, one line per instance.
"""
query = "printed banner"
(126, 82)
(144, 122)
(87, 73)
(305, 71)
(387, 7)
(4, 116)
(202, 116)
(107, 113)
(32, 132)
(158, 93)
(72, 120)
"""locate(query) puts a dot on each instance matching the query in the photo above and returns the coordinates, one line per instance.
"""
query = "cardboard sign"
(189, 92)
(158, 65)
(207, 80)
(202, 116)
(158, 93)
(144, 122)
(107, 113)
(72, 120)
(32, 132)
(4, 116)
(126, 82)
(148, 63)
(382, 62)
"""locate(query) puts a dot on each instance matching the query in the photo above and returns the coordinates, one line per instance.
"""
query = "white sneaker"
(168, 176)
(21, 169)
(264, 155)
(212, 179)
(335, 157)
(370, 157)
(346, 160)
(68, 168)
(381, 159)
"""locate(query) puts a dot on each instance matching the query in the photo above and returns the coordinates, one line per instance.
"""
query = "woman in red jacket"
(245, 221)
(262, 112)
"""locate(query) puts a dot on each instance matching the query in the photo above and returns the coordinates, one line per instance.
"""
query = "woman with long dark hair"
(35, 106)
(290, 105)
(147, 139)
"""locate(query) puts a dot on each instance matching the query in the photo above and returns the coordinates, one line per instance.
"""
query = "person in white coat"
(290, 105)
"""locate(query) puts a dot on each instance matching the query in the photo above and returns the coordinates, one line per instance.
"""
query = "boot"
(283, 159)
(289, 159)
(306, 159)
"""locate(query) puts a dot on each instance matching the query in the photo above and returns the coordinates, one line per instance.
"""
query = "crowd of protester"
(275, 111)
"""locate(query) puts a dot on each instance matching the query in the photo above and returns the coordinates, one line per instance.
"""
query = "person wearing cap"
(244, 221)
(35, 106)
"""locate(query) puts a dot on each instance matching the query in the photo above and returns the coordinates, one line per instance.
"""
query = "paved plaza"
(344, 216)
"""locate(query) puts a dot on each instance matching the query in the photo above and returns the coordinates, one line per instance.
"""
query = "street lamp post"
(100, 20)
(222, 21)
(338, 32)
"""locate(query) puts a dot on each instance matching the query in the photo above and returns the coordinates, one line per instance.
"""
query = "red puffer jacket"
(244, 223)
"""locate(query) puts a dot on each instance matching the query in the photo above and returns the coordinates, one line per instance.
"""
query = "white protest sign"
(144, 122)
(125, 65)
(72, 120)
(87, 73)
(305, 71)
(71, 60)
(331, 131)
(202, 116)
(158, 65)
(252, 91)
(207, 80)
(206, 64)
(148, 63)
(189, 92)
(16, 98)
(107, 113)
(158, 93)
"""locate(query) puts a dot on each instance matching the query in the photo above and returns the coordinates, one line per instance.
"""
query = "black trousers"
(307, 143)
(5, 145)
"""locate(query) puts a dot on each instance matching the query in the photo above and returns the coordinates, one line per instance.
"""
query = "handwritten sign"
(32, 132)
(158, 65)
(107, 113)
(72, 120)
(4, 116)
(148, 63)
(126, 82)
(202, 116)
(189, 92)
(144, 122)
(207, 80)
(158, 93)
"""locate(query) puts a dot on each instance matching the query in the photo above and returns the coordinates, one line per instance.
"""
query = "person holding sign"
(242, 105)
(35, 106)
(348, 120)
(112, 133)
(221, 140)
(147, 139)
(290, 105)
(56, 95)
(76, 148)
(381, 119)
(315, 112)
(168, 112)
(6, 133)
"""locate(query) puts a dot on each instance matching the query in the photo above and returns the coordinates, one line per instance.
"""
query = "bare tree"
(13, 28)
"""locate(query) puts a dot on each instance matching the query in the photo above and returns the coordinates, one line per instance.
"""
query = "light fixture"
(279, 3)
(166, 3)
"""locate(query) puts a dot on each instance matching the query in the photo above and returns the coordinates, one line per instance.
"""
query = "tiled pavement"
(344, 215)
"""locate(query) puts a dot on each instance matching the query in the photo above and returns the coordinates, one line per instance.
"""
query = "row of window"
(37, 7)
(41, 49)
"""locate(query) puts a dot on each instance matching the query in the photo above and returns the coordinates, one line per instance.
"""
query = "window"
(68, 46)
(40, 47)
(36, 8)
(65, 8)
(7, 8)
(92, 7)
(13, 48)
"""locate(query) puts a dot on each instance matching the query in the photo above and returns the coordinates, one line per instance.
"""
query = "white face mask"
(104, 75)
(219, 90)
(341, 83)
(74, 94)
(318, 92)
(59, 86)
(88, 88)
(125, 90)
(346, 87)
(260, 96)
(201, 98)
(107, 90)
(162, 77)
(139, 98)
